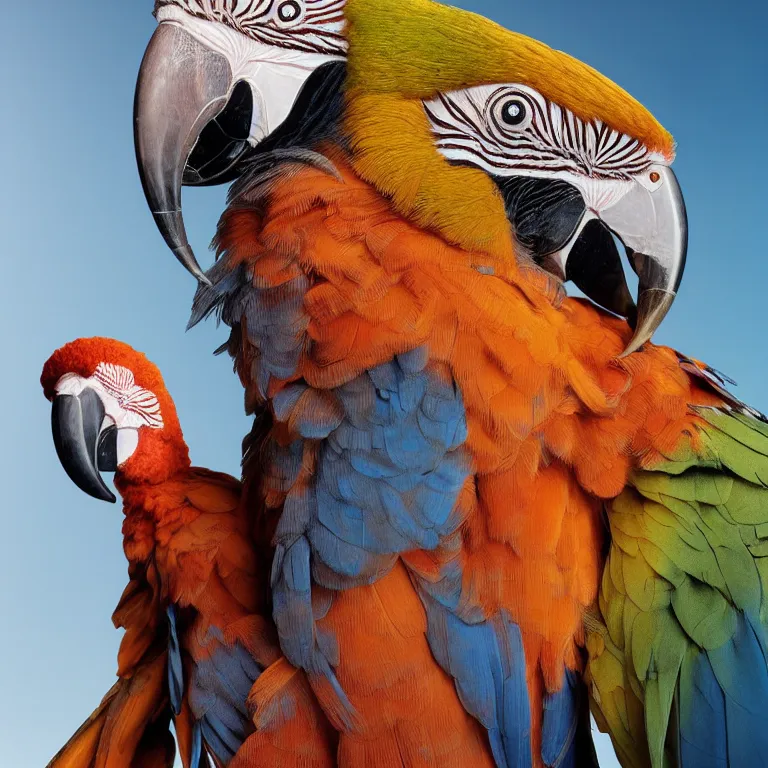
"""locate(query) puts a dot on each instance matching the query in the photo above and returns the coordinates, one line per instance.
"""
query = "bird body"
(197, 641)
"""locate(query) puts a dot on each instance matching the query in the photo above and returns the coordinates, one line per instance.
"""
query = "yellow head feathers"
(403, 51)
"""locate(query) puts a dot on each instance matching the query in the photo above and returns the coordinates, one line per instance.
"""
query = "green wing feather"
(686, 572)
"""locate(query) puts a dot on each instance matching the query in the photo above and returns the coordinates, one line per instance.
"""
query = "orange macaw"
(497, 494)
(198, 646)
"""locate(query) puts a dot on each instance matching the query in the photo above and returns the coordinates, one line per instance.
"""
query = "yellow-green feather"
(415, 48)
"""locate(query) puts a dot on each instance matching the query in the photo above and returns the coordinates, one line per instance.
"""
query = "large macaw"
(198, 646)
(494, 491)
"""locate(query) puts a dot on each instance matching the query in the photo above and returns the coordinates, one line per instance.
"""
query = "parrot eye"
(508, 112)
(289, 11)
(513, 112)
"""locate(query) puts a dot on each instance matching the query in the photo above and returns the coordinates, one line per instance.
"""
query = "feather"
(442, 408)
(562, 716)
(129, 724)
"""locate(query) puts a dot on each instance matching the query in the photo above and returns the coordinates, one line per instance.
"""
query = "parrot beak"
(574, 242)
(84, 443)
(182, 86)
(651, 222)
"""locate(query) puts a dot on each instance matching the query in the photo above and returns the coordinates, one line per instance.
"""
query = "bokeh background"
(81, 256)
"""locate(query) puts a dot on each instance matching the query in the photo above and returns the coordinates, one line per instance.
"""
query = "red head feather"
(161, 452)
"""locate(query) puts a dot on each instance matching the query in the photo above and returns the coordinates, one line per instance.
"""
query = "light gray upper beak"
(182, 85)
(653, 225)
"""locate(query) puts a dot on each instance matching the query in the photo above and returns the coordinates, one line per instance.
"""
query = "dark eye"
(513, 112)
(288, 11)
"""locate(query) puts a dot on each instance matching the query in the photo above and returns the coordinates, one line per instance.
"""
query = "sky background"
(81, 257)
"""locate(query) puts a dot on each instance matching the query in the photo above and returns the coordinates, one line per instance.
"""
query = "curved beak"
(81, 439)
(182, 86)
(653, 226)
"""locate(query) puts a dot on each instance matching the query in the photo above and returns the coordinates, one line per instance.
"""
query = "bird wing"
(678, 653)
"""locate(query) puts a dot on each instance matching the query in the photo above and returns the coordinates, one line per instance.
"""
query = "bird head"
(111, 413)
(218, 77)
(469, 128)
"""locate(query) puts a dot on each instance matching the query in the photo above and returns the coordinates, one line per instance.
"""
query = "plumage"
(683, 598)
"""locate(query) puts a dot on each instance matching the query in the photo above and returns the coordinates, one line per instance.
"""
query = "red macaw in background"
(475, 492)
(198, 645)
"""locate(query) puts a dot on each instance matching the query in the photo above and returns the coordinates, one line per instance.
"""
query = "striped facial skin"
(312, 26)
(511, 130)
(126, 403)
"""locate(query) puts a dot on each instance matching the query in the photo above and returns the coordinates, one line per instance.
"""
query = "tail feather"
(487, 663)
(130, 727)
(566, 733)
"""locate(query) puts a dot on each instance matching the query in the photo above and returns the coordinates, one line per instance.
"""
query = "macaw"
(198, 647)
(498, 491)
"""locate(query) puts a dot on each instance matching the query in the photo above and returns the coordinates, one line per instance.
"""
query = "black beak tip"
(108, 496)
(186, 258)
(76, 425)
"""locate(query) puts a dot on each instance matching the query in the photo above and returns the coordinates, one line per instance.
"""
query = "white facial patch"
(512, 130)
(127, 442)
(126, 404)
(274, 48)
(313, 26)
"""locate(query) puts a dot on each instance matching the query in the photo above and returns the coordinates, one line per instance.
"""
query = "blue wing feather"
(487, 662)
(175, 671)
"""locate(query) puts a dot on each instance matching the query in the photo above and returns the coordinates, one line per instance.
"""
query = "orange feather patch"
(555, 420)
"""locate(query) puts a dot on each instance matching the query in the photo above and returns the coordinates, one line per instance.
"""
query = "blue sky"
(81, 257)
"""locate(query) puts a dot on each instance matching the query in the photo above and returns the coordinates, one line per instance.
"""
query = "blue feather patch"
(562, 712)
(196, 757)
(218, 689)
(389, 475)
(487, 662)
(386, 481)
(703, 740)
(294, 612)
(723, 698)
(273, 317)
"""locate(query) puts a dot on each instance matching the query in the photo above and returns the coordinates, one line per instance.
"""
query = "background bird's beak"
(653, 226)
(182, 86)
(79, 435)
